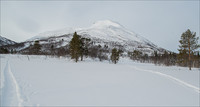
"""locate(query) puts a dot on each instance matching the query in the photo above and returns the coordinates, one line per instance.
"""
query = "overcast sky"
(162, 22)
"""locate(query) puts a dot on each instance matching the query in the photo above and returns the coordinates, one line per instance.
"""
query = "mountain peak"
(106, 23)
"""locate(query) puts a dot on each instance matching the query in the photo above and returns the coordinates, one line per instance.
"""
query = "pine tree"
(188, 45)
(52, 49)
(137, 55)
(82, 48)
(155, 57)
(4, 50)
(86, 47)
(115, 56)
(182, 58)
(198, 61)
(36, 47)
(165, 58)
(75, 47)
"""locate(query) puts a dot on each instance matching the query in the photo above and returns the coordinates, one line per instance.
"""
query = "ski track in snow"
(178, 81)
(10, 95)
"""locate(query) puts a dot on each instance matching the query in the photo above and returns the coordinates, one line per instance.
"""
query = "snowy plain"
(46, 81)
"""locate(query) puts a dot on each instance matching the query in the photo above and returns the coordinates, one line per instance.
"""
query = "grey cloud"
(154, 20)
(28, 25)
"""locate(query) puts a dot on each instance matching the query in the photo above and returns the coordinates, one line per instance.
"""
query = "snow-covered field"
(45, 81)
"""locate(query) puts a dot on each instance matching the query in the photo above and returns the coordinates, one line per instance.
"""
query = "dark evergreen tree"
(11, 51)
(4, 50)
(145, 58)
(165, 58)
(198, 60)
(87, 45)
(84, 45)
(52, 49)
(115, 56)
(188, 45)
(36, 47)
(182, 58)
(155, 57)
(137, 54)
(173, 58)
(75, 47)
(82, 48)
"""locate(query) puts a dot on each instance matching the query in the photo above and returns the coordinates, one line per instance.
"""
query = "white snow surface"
(46, 81)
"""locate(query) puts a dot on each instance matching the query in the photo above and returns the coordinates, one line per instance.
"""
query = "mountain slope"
(5, 41)
(111, 31)
(103, 33)
(106, 30)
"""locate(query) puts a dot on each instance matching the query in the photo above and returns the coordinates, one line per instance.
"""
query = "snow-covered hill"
(104, 32)
(112, 31)
(5, 41)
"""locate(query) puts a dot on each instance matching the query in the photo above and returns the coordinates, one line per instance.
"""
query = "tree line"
(80, 48)
(188, 56)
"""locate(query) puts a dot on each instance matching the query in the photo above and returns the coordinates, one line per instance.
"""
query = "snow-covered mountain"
(5, 41)
(111, 31)
(104, 32)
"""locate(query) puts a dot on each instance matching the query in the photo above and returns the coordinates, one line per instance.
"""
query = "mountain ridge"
(104, 33)
(105, 29)
(6, 41)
